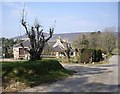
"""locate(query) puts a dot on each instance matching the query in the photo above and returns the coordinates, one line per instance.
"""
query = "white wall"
(16, 53)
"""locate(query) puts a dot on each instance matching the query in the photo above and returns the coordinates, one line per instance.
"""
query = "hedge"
(90, 55)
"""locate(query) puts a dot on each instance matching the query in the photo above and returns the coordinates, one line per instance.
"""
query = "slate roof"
(47, 46)
(51, 44)
(57, 49)
(25, 43)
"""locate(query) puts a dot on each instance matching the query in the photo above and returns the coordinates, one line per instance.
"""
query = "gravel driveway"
(88, 78)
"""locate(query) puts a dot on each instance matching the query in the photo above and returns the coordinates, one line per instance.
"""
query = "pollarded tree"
(68, 49)
(37, 38)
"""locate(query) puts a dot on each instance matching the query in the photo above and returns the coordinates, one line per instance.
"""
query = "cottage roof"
(58, 49)
(54, 46)
(25, 43)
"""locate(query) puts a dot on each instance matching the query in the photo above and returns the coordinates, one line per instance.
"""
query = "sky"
(70, 16)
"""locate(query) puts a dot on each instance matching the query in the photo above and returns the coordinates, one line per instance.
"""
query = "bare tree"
(94, 40)
(80, 43)
(84, 41)
(68, 49)
(37, 38)
(109, 39)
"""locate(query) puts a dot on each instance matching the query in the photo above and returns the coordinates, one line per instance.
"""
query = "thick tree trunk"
(32, 54)
(36, 55)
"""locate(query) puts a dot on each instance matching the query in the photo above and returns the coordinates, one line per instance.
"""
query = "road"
(88, 78)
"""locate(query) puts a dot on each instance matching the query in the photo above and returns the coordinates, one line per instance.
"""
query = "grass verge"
(32, 73)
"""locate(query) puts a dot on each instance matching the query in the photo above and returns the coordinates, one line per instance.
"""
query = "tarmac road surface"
(88, 78)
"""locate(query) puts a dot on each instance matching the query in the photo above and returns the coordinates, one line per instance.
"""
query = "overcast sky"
(70, 17)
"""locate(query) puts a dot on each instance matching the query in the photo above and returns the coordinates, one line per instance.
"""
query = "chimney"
(58, 40)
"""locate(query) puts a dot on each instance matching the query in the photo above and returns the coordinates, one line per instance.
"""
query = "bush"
(8, 55)
(86, 55)
(97, 56)
(90, 55)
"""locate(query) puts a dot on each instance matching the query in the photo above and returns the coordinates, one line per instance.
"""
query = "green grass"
(34, 73)
(65, 60)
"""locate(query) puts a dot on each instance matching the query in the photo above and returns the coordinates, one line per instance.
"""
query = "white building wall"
(16, 53)
(74, 53)
(57, 54)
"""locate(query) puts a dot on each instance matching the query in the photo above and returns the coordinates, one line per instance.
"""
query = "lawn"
(31, 73)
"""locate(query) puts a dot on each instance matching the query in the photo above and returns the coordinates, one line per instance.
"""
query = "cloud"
(84, 23)
(16, 10)
(104, 14)
(63, 21)
(73, 24)
(10, 4)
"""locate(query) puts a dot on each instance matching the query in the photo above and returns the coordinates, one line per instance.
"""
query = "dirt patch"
(13, 86)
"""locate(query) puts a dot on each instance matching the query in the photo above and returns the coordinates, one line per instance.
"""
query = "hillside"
(69, 36)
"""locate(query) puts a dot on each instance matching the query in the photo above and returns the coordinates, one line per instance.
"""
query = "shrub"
(86, 55)
(90, 55)
(97, 56)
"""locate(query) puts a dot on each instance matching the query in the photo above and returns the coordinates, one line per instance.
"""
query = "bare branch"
(23, 21)
(40, 32)
(51, 33)
(21, 44)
